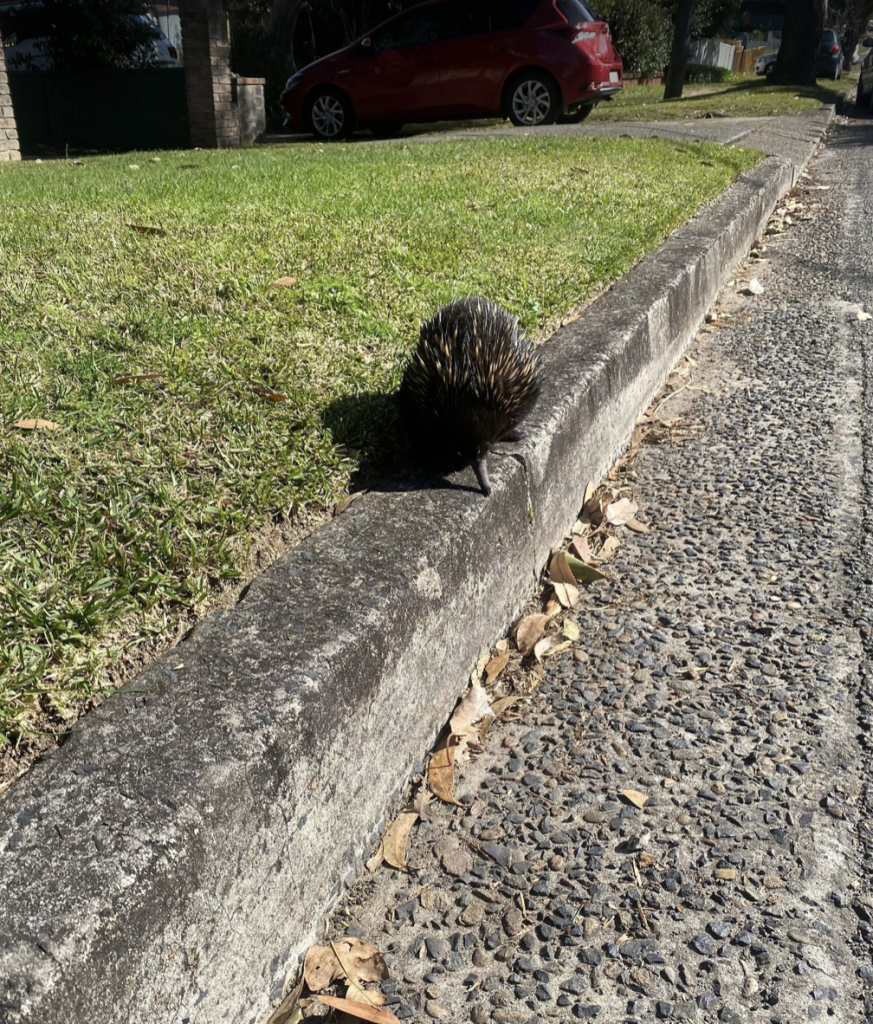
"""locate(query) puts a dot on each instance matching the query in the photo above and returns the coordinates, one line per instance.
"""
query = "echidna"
(470, 382)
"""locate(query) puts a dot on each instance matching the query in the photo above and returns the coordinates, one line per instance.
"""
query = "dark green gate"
(143, 108)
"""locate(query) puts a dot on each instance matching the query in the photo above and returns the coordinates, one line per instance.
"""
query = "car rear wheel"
(532, 100)
(330, 115)
(577, 115)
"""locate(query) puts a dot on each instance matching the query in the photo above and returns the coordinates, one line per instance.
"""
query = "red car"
(533, 61)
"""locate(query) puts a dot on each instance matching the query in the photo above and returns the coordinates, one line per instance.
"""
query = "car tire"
(533, 99)
(577, 116)
(329, 114)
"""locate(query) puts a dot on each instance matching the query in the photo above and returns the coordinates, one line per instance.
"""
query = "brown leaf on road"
(501, 705)
(285, 1010)
(373, 863)
(441, 771)
(635, 797)
(360, 1010)
(563, 581)
(475, 705)
(610, 546)
(494, 667)
(529, 631)
(571, 630)
(396, 839)
(350, 958)
(619, 512)
(367, 996)
(549, 646)
(283, 282)
(582, 548)
(36, 424)
(637, 526)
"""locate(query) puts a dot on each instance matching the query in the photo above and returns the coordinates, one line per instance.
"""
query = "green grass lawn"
(195, 403)
(747, 96)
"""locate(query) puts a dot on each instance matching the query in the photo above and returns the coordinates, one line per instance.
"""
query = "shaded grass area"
(195, 403)
(747, 96)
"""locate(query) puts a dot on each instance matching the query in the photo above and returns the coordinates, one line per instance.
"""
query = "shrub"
(642, 32)
(702, 74)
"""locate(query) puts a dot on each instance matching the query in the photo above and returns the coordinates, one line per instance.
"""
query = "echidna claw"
(480, 468)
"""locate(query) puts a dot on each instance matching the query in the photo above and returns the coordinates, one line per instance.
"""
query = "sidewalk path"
(723, 672)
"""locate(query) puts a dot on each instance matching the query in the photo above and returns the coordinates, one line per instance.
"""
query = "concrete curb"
(170, 862)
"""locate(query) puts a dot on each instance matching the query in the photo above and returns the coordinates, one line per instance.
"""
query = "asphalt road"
(723, 671)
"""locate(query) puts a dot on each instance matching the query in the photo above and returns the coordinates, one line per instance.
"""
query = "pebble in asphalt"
(729, 653)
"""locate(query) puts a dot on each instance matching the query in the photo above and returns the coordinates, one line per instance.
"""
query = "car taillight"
(834, 49)
(173, 52)
(574, 33)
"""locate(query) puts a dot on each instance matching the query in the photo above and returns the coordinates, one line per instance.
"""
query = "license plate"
(613, 76)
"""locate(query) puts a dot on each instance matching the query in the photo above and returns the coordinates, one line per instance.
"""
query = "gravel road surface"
(723, 671)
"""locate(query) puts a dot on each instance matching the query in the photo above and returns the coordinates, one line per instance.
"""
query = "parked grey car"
(830, 55)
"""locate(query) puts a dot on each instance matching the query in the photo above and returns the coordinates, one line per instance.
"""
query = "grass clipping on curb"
(194, 345)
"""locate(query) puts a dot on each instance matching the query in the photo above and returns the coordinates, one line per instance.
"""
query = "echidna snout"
(470, 382)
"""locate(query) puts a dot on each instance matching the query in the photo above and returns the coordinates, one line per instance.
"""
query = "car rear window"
(575, 11)
(478, 17)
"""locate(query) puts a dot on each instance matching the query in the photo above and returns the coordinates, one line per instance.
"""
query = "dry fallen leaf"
(637, 526)
(582, 548)
(285, 1010)
(360, 1010)
(563, 581)
(351, 958)
(373, 863)
(283, 282)
(494, 667)
(571, 630)
(441, 771)
(590, 488)
(550, 645)
(635, 797)
(271, 395)
(500, 705)
(36, 424)
(367, 996)
(396, 839)
(341, 506)
(619, 512)
(610, 546)
(475, 705)
(530, 629)
(755, 287)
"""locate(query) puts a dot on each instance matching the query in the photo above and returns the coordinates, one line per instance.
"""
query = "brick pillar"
(206, 53)
(9, 149)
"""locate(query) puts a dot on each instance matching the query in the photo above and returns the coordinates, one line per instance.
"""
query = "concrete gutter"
(172, 859)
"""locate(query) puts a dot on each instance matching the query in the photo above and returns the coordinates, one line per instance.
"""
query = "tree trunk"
(679, 52)
(801, 35)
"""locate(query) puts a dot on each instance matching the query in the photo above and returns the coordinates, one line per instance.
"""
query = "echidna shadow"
(471, 381)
